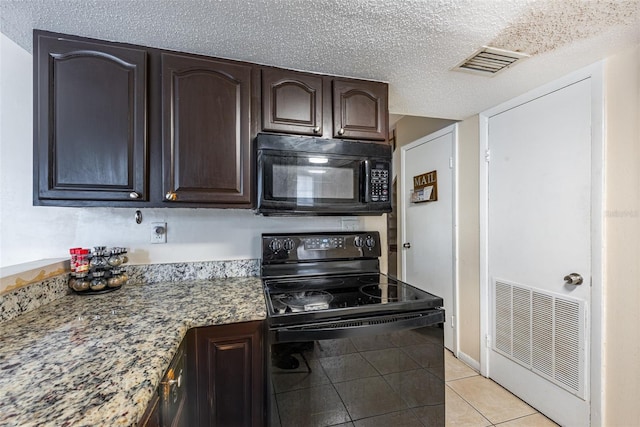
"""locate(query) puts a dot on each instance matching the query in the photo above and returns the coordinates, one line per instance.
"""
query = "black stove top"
(318, 297)
(310, 277)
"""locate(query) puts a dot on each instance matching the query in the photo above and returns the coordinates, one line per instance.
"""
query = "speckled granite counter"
(97, 360)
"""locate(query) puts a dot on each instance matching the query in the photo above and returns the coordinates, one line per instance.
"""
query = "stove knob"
(370, 242)
(359, 242)
(288, 245)
(275, 245)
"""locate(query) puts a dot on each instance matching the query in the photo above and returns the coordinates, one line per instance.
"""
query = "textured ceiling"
(412, 44)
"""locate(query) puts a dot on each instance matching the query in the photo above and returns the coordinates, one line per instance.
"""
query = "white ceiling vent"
(489, 61)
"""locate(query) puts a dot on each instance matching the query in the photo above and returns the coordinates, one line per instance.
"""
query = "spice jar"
(99, 282)
(123, 254)
(115, 259)
(81, 283)
(98, 259)
(82, 261)
(74, 258)
(113, 281)
(116, 279)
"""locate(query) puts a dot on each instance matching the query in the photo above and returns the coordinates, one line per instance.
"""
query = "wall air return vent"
(489, 61)
(543, 331)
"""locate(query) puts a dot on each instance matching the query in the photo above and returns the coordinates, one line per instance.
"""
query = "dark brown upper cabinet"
(206, 130)
(125, 125)
(312, 104)
(89, 121)
(292, 102)
(360, 110)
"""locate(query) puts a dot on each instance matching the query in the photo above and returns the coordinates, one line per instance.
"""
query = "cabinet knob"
(341, 131)
(171, 196)
(134, 195)
(316, 129)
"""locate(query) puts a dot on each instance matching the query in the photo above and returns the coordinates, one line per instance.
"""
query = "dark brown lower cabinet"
(229, 375)
(169, 405)
(151, 417)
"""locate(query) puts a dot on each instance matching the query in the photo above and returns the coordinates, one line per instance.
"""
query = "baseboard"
(471, 362)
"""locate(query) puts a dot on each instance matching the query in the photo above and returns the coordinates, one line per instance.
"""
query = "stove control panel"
(320, 246)
(276, 245)
(365, 241)
(323, 243)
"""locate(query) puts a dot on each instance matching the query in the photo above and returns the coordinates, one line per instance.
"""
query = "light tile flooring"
(475, 401)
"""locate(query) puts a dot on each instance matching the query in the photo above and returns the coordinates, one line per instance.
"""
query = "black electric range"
(330, 311)
(312, 278)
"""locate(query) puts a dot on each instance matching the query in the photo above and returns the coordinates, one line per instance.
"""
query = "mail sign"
(425, 187)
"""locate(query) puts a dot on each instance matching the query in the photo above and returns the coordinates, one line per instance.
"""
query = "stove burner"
(369, 279)
(387, 293)
(304, 300)
(294, 285)
(287, 286)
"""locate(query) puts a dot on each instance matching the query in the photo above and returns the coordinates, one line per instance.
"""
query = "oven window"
(312, 182)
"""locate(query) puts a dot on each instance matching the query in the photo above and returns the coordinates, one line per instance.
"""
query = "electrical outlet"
(350, 224)
(158, 232)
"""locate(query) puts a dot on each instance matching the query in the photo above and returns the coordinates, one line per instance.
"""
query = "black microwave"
(300, 175)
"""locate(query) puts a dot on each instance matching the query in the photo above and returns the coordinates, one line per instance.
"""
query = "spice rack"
(97, 271)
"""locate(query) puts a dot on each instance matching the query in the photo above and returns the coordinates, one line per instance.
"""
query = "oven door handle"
(357, 327)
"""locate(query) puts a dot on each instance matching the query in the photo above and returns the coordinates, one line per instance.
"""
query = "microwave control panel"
(378, 181)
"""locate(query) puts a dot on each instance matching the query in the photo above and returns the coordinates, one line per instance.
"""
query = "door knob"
(573, 279)
(406, 245)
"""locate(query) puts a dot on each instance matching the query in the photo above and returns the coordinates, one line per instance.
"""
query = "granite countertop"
(97, 360)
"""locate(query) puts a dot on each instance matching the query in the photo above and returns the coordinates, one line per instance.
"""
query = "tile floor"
(475, 401)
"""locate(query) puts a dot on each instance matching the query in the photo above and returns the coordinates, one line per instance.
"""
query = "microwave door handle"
(366, 190)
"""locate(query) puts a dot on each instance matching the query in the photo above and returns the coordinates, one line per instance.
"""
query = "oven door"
(390, 372)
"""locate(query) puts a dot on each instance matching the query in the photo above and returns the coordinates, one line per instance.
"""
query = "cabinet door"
(206, 130)
(291, 102)
(360, 110)
(230, 375)
(151, 417)
(90, 127)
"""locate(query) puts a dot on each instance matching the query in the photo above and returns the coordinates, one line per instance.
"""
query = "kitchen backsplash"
(27, 298)
(175, 272)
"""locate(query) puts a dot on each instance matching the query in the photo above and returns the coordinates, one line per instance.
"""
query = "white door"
(428, 228)
(539, 231)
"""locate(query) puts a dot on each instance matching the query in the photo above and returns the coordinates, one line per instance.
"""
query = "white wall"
(28, 233)
(621, 352)
(469, 240)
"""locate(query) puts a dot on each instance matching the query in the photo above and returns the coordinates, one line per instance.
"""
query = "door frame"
(595, 73)
(402, 205)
